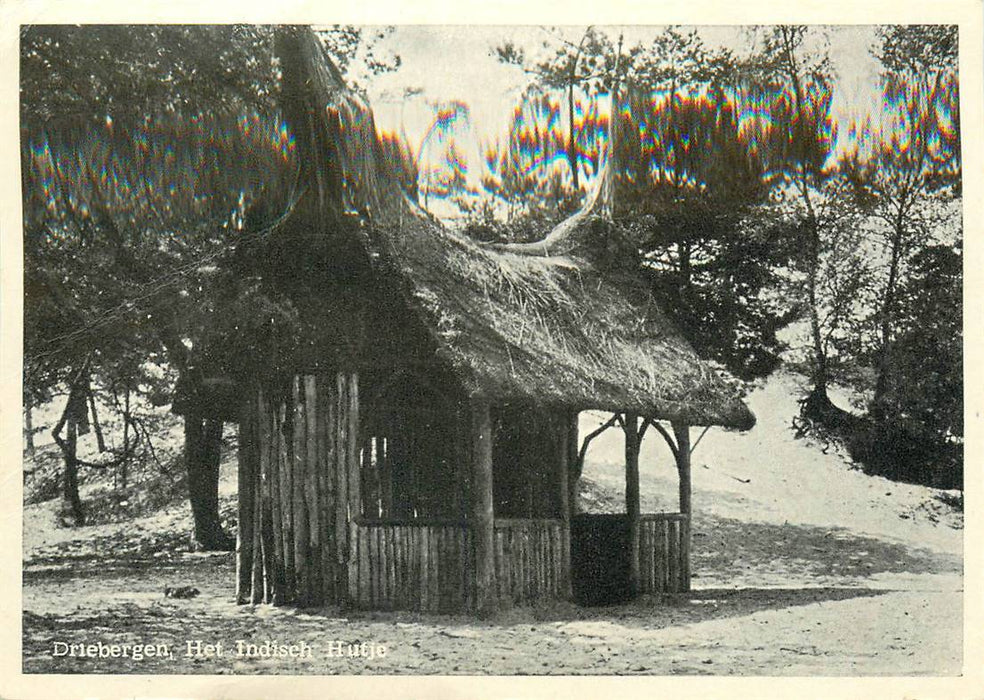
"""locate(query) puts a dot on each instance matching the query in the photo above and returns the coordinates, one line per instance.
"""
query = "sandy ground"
(802, 566)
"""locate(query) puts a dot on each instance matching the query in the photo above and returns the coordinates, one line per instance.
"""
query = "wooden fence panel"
(664, 543)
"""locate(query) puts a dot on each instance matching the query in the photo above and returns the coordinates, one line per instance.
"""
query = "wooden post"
(682, 433)
(573, 467)
(244, 531)
(632, 507)
(482, 516)
(350, 461)
(563, 491)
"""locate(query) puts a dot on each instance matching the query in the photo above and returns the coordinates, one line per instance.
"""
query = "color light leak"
(443, 163)
(916, 129)
(662, 137)
(161, 170)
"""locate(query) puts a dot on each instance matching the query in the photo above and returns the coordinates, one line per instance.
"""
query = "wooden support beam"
(482, 525)
(244, 531)
(573, 465)
(630, 428)
(562, 554)
(561, 429)
(682, 433)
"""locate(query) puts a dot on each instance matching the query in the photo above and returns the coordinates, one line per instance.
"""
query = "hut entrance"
(600, 559)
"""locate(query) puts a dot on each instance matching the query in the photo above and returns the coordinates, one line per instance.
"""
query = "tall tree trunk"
(100, 440)
(70, 418)
(202, 450)
(820, 376)
(878, 407)
(70, 484)
(632, 502)
(203, 447)
(29, 425)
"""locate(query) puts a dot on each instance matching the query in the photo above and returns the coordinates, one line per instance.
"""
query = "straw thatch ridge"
(516, 326)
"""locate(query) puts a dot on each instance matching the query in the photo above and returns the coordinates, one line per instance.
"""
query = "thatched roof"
(520, 323)
(553, 330)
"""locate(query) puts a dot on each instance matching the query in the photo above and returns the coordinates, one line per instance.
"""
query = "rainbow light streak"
(166, 166)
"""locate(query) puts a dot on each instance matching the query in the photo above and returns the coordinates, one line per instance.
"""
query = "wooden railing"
(420, 566)
(428, 565)
(532, 560)
(664, 553)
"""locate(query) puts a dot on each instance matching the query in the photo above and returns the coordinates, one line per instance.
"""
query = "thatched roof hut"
(419, 448)
(432, 425)
(555, 322)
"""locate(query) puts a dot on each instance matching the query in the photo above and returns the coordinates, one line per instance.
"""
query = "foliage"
(926, 386)
(906, 169)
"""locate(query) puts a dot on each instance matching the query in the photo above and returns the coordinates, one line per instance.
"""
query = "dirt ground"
(801, 566)
(767, 601)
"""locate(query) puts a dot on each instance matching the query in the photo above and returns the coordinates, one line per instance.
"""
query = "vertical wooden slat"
(326, 426)
(352, 446)
(298, 464)
(482, 516)
(463, 569)
(341, 473)
(433, 556)
(256, 587)
(312, 496)
(672, 555)
(685, 553)
(500, 567)
(632, 503)
(363, 580)
(665, 552)
(276, 515)
(391, 565)
(324, 503)
(284, 457)
(244, 520)
(266, 509)
(379, 561)
(651, 558)
(401, 565)
(424, 558)
(261, 486)
(442, 570)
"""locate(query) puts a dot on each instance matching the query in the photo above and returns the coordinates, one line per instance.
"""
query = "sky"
(455, 63)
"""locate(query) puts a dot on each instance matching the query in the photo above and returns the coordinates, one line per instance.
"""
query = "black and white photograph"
(513, 349)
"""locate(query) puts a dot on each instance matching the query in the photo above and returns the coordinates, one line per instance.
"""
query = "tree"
(907, 167)
(164, 175)
(525, 170)
(583, 65)
(445, 166)
(793, 71)
(926, 385)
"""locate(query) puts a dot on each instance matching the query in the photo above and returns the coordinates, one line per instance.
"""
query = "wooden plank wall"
(298, 475)
(532, 560)
(664, 553)
(430, 567)
(425, 567)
